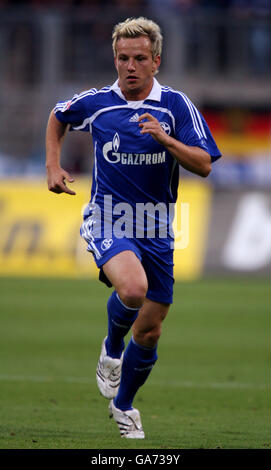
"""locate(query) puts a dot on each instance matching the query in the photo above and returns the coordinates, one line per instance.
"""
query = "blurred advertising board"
(239, 235)
(40, 230)
(217, 231)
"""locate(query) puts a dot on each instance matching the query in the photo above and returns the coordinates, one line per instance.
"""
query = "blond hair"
(136, 27)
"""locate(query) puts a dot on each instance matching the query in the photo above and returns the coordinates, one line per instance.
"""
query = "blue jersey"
(130, 167)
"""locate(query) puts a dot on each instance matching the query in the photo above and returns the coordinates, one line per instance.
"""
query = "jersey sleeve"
(76, 111)
(191, 127)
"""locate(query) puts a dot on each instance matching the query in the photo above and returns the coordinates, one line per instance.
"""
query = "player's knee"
(133, 294)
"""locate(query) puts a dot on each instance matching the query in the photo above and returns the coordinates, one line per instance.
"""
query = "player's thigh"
(126, 273)
(147, 327)
(158, 266)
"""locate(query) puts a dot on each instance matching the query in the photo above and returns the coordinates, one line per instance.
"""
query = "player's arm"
(193, 159)
(56, 175)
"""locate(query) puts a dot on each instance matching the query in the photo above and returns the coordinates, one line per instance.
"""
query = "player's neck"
(137, 94)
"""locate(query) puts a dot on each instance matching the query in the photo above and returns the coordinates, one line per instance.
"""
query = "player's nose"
(131, 65)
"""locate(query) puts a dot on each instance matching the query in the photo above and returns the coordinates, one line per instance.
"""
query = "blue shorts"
(156, 259)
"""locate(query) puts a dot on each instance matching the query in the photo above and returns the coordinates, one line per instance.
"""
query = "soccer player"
(142, 131)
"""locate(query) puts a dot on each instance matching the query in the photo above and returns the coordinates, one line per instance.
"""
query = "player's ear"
(156, 63)
(115, 62)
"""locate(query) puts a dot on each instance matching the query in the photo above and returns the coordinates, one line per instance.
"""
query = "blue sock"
(120, 320)
(138, 362)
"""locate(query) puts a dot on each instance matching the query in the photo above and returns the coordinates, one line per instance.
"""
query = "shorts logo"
(166, 127)
(107, 242)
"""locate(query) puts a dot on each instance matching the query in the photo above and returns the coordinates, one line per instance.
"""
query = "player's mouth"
(132, 78)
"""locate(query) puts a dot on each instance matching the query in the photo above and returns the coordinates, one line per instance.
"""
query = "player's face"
(135, 66)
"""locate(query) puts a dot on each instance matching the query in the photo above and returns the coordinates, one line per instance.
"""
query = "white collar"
(155, 93)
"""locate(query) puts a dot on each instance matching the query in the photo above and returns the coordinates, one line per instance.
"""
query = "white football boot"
(108, 374)
(129, 422)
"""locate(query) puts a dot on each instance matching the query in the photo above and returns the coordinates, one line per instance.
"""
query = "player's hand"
(56, 181)
(153, 127)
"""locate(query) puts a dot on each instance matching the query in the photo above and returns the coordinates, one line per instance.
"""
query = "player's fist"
(56, 180)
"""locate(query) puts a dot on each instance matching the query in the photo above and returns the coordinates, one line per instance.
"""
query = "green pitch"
(210, 388)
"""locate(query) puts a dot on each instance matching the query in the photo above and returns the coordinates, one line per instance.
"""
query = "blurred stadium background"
(218, 53)
(214, 363)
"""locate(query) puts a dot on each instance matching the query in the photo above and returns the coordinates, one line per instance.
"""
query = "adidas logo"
(134, 118)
